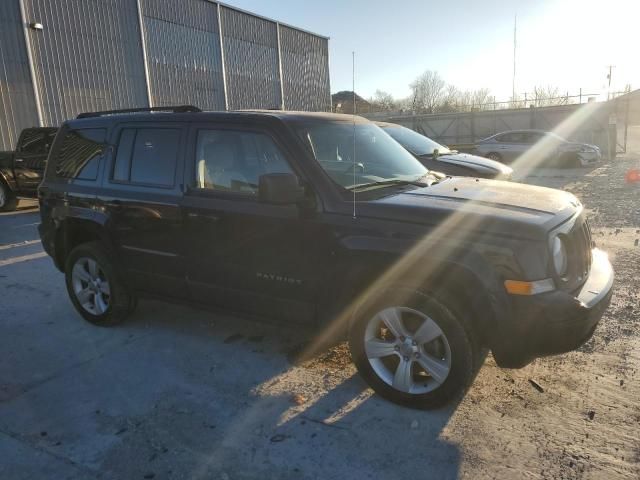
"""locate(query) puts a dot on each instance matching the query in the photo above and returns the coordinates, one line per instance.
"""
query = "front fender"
(369, 266)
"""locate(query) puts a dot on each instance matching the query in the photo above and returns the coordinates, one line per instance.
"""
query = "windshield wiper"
(390, 182)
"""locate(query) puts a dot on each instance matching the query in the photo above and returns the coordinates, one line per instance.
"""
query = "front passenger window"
(231, 161)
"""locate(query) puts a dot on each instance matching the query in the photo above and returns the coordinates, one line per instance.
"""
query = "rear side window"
(147, 156)
(36, 142)
(80, 153)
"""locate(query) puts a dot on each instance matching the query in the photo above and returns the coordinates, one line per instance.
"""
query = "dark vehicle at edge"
(254, 212)
(21, 171)
(442, 159)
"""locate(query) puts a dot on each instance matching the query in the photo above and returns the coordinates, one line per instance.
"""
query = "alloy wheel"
(407, 350)
(91, 286)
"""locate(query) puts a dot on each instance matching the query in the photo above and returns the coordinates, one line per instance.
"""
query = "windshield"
(414, 142)
(378, 157)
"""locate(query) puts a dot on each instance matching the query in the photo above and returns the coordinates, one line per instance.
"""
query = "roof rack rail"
(175, 109)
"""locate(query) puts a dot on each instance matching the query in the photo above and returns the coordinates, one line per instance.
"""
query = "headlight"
(560, 259)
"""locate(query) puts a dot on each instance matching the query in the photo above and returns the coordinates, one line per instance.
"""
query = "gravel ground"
(181, 393)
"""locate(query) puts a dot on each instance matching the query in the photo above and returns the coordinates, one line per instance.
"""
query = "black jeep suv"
(323, 220)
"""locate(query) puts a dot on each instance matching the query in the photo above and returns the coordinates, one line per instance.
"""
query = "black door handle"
(114, 204)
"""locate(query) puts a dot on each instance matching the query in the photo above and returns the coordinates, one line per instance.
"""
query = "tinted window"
(234, 161)
(147, 156)
(80, 153)
(36, 142)
(513, 137)
(533, 137)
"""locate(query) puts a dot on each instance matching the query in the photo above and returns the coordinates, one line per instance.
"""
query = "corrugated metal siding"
(87, 57)
(305, 70)
(251, 60)
(183, 53)
(17, 102)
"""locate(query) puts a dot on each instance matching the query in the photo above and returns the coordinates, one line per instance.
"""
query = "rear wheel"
(94, 287)
(570, 160)
(413, 350)
(8, 201)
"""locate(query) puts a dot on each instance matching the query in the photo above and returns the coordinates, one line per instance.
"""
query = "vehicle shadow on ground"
(556, 177)
(271, 418)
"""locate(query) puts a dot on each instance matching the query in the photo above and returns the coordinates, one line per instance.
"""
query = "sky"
(567, 44)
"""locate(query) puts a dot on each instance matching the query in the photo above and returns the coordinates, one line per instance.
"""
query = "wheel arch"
(467, 277)
(72, 232)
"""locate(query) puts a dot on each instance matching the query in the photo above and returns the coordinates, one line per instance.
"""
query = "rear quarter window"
(80, 153)
(36, 141)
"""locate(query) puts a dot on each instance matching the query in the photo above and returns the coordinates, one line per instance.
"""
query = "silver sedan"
(508, 146)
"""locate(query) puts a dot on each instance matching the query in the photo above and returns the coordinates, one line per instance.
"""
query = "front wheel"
(94, 287)
(8, 201)
(413, 350)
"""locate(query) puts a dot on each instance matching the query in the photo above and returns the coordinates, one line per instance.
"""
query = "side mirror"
(280, 189)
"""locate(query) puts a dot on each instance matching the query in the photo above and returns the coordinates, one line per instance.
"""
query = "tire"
(570, 160)
(454, 347)
(8, 201)
(494, 156)
(94, 287)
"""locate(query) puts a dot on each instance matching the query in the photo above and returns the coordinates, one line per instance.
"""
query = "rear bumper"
(48, 239)
(556, 322)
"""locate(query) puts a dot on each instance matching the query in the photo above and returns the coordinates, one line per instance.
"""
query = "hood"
(468, 160)
(504, 207)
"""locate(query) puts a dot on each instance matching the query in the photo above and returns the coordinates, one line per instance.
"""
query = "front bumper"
(555, 322)
(589, 158)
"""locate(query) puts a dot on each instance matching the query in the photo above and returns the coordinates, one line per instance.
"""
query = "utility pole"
(513, 80)
(611, 67)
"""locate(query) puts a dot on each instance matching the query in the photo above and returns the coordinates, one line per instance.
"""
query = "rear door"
(31, 157)
(141, 198)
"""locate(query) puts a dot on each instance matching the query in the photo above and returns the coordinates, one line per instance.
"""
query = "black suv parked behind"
(270, 214)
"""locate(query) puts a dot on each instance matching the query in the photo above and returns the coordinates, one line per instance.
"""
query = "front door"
(244, 254)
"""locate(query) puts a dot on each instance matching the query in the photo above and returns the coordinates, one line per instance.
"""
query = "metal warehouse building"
(62, 57)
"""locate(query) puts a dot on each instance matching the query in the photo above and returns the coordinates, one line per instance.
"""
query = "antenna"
(513, 80)
(353, 78)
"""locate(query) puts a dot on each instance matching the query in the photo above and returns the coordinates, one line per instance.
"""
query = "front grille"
(579, 246)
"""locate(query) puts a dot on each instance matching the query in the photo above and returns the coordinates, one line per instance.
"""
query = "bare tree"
(516, 102)
(450, 99)
(427, 91)
(480, 98)
(382, 101)
(547, 96)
